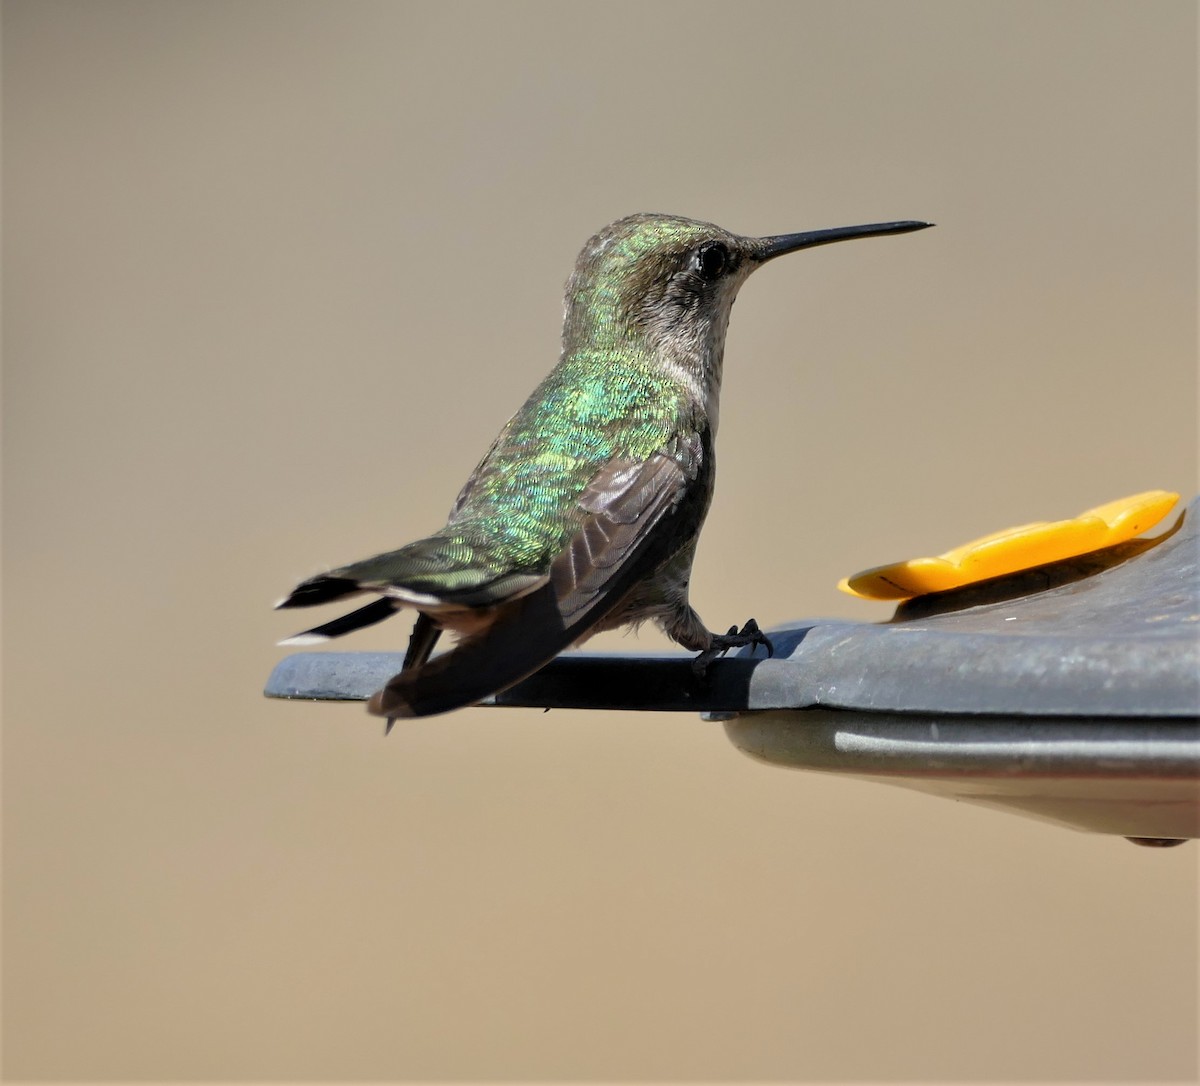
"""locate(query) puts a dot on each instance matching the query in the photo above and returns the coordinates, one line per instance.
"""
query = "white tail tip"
(304, 639)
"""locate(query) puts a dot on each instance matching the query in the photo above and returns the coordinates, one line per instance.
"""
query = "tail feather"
(527, 635)
(320, 589)
(373, 612)
(421, 642)
(424, 637)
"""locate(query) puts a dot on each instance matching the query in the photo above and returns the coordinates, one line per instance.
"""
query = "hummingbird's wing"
(625, 502)
(628, 530)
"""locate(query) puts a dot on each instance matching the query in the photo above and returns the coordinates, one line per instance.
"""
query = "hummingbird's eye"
(711, 260)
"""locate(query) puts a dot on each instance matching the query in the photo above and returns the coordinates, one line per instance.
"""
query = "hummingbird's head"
(661, 278)
(670, 282)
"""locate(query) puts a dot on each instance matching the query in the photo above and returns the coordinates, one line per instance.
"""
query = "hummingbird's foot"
(749, 634)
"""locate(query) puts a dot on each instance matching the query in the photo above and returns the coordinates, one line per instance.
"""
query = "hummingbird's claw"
(749, 634)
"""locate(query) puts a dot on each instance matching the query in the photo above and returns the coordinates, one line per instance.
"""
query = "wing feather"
(625, 505)
(625, 500)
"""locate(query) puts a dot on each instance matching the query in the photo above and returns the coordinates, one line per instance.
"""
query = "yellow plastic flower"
(1014, 549)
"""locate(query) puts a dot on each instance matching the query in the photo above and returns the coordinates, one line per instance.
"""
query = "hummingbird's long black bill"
(789, 243)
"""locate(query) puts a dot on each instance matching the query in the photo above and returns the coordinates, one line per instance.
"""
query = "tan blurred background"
(275, 273)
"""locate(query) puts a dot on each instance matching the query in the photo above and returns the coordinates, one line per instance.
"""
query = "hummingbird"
(585, 512)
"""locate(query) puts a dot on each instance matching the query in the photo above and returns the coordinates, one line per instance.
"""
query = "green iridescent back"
(608, 397)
